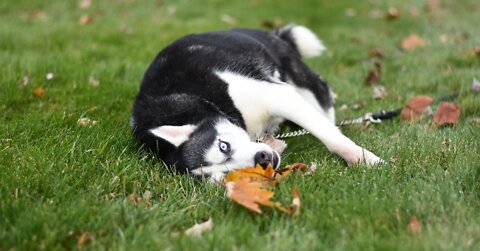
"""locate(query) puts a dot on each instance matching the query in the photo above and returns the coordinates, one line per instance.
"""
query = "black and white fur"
(206, 98)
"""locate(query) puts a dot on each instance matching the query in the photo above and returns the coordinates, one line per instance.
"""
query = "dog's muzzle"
(265, 158)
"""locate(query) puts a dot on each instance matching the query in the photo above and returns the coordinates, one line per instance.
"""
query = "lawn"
(72, 184)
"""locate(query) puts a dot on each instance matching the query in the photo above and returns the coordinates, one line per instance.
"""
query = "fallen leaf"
(264, 176)
(433, 5)
(85, 19)
(24, 81)
(376, 53)
(84, 4)
(375, 13)
(294, 208)
(447, 114)
(373, 76)
(271, 24)
(50, 76)
(93, 81)
(415, 108)
(228, 19)
(84, 238)
(414, 226)
(249, 194)
(284, 172)
(475, 86)
(379, 92)
(277, 145)
(35, 16)
(392, 13)
(443, 38)
(86, 122)
(38, 91)
(350, 12)
(199, 228)
(476, 52)
(412, 42)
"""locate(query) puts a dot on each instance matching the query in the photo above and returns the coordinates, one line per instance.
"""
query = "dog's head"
(216, 146)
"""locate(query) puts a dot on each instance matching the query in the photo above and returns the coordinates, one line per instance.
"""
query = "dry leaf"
(35, 16)
(392, 13)
(476, 52)
(228, 19)
(38, 91)
(412, 42)
(277, 145)
(414, 226)
(475, 86)
(379, 92)
(271, 24)
(249, 194)
(93, 81)
(414, 109)
(50, 76)
(253, 174)
(443, 38)
(86, 122)
(199, 228)
(84, 4)
(84, 238)
(24, 81)
(376, 53)
(294, 208)
(85, 19)
(447, 114)
(433, 5)
(284, 172)
(376, 13)
(373, 76)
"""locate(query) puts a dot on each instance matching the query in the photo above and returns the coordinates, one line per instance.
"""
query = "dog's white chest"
(248, 95)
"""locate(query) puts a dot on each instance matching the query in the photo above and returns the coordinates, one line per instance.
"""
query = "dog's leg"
(286, 102)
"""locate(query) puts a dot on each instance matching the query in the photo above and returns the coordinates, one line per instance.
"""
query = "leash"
(374, 118)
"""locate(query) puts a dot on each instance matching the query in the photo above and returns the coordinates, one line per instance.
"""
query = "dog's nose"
(264, 158)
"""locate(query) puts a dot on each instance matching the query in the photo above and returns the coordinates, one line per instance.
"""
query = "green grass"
(59, 180)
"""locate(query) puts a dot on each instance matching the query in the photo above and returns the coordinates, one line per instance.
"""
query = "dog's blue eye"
(224, 146)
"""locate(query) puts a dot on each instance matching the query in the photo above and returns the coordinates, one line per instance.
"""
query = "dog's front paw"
(364, 156)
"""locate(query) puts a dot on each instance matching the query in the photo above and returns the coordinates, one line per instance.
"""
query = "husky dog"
(206, 98)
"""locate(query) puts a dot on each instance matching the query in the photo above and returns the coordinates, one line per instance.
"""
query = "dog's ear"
(174, 134)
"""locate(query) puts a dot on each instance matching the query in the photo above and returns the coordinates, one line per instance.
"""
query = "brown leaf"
(38, 91)
(373, 76)
(413, 110)
(447, 114)
(392, 13)
(253, 174)
(475, 86)
(412, 42)
(271, 24)
(294, 208)
(249, 194)
(284, 172)
(379, 92)
(199, 228)
(85, 19)
(414, 226)
(84, 238)
(376, 53)
(84, 4)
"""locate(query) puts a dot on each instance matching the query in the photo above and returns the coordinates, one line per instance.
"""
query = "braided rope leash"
(374, 118)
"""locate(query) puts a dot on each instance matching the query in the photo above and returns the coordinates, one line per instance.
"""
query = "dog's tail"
(303, 39)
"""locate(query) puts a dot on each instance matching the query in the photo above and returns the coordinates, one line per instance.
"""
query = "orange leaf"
(294, 208)
(85, 19)
(414, 226)
(252, 173)
(38, 91)
(84, 238)
(447, 113)
(249, 194)
(413, 110)
(411, 42)
(284, 172)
